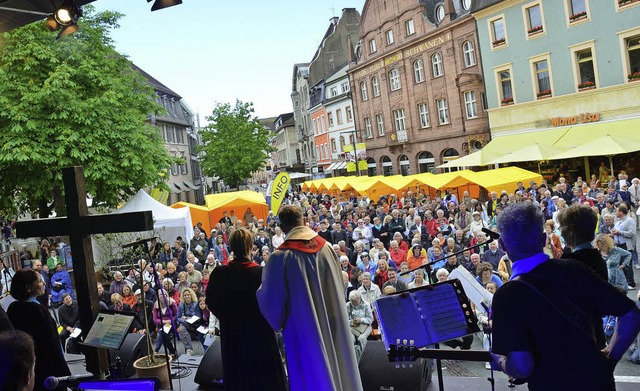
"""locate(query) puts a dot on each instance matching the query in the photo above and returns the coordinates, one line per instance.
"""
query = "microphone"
(141, 241)
(52, 382)
(492, 235)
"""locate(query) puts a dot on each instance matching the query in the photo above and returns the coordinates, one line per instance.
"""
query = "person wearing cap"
(366, 265)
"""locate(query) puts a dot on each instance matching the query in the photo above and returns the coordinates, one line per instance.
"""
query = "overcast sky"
(212, 51)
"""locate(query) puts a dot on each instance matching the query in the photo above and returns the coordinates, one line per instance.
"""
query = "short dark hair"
(577, 224)
(21, 283)
(521, 229)
(290, 217)
(17, 358)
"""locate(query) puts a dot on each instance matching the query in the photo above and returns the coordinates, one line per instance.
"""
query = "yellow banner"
(279, 190)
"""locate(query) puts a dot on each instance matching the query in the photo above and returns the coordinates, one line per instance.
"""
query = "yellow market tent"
(506, 179)
(237, 201)
(199, 214)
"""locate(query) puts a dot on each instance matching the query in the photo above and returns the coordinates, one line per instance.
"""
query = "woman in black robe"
(28, 315)
(250, 357)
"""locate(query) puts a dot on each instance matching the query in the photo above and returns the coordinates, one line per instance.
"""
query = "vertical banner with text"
(350, 157)
(279, 190)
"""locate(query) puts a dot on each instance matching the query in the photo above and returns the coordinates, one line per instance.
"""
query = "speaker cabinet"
(132, 348)
(378, 374)
(210, 369)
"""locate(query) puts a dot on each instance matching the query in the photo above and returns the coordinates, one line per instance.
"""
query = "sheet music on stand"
(109, 330)
(472, 288)
(426, 315)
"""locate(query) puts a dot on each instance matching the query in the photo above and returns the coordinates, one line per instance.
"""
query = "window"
(333, 146)
(436, 64)
(409, 27)
(466, 4)
(542, 79)
(423, 111)
(632, 46)
(372, 46)
(577, 10)
(585, 68)
(470, 104)
(339, 116)
(184, 168)
(363, 88)
(341, 143)
(505, 90)
(394, 79)
(375, 85)
(468, 54)
(367, 128)
(333, 91)
(174, 169)
(169, 134)
(533, 19)
(349, 114)
(443, 111)
(389, 35)
(380, 123)
(317, 152)
(179, 135)
(398, 115)
(330, 119)
(440, 13)
(418, 71)
(498, 32)
(344, 86)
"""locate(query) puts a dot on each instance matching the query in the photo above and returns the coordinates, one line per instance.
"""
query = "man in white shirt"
(363, 234)
(278, 238)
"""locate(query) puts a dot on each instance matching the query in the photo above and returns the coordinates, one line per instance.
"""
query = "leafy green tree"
(73, 101)
(235, 143)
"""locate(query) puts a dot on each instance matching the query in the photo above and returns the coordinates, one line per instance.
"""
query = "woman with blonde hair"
(187, 309)
(616, 258)
(251, 360)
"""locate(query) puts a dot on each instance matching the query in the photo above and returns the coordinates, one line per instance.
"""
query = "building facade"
(553, 63)
(287, 152)
(340, 123)
(177, 128)
(417, 85)
(309, 89)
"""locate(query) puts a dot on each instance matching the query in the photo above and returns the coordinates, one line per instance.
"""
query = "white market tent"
(172, 222)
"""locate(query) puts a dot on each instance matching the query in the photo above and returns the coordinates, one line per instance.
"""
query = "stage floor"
(451, 383)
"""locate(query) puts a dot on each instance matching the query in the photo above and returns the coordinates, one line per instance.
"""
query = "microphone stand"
(492, 236)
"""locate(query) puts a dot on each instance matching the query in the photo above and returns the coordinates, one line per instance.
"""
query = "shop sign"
(582, 118)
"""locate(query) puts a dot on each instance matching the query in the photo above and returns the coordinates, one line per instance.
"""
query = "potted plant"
(153, 365)
(535, 30)
(543, 94)
(587, 85)
(577, 16)
(633, 76)
(506, 101)
(499, 41)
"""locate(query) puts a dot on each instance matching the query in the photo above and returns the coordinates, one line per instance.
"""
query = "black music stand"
(424, 316)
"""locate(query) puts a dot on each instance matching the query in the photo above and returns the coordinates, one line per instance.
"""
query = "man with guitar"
(542, 318)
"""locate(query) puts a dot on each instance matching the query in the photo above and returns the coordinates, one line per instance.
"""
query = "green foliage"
(73, 101)
(235, 143)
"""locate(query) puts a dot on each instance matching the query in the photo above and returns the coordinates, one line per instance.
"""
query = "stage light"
(51, 23)
(160, 4)
(68, 30)
(67, 13)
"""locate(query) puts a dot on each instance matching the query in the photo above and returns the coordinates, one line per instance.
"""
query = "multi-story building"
(332, 55)
(287, 153)
(340, 123)
(417, 85)
(301, 117)
(177, 128)
(550, 63)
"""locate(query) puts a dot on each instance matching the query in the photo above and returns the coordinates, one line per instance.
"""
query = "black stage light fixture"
(160, 4)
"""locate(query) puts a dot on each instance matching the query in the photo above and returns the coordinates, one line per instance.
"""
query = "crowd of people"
(383, 246)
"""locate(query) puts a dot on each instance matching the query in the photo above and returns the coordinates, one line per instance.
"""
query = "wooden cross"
(79, 225)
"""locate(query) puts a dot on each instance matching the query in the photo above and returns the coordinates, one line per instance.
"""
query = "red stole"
(311, 246)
